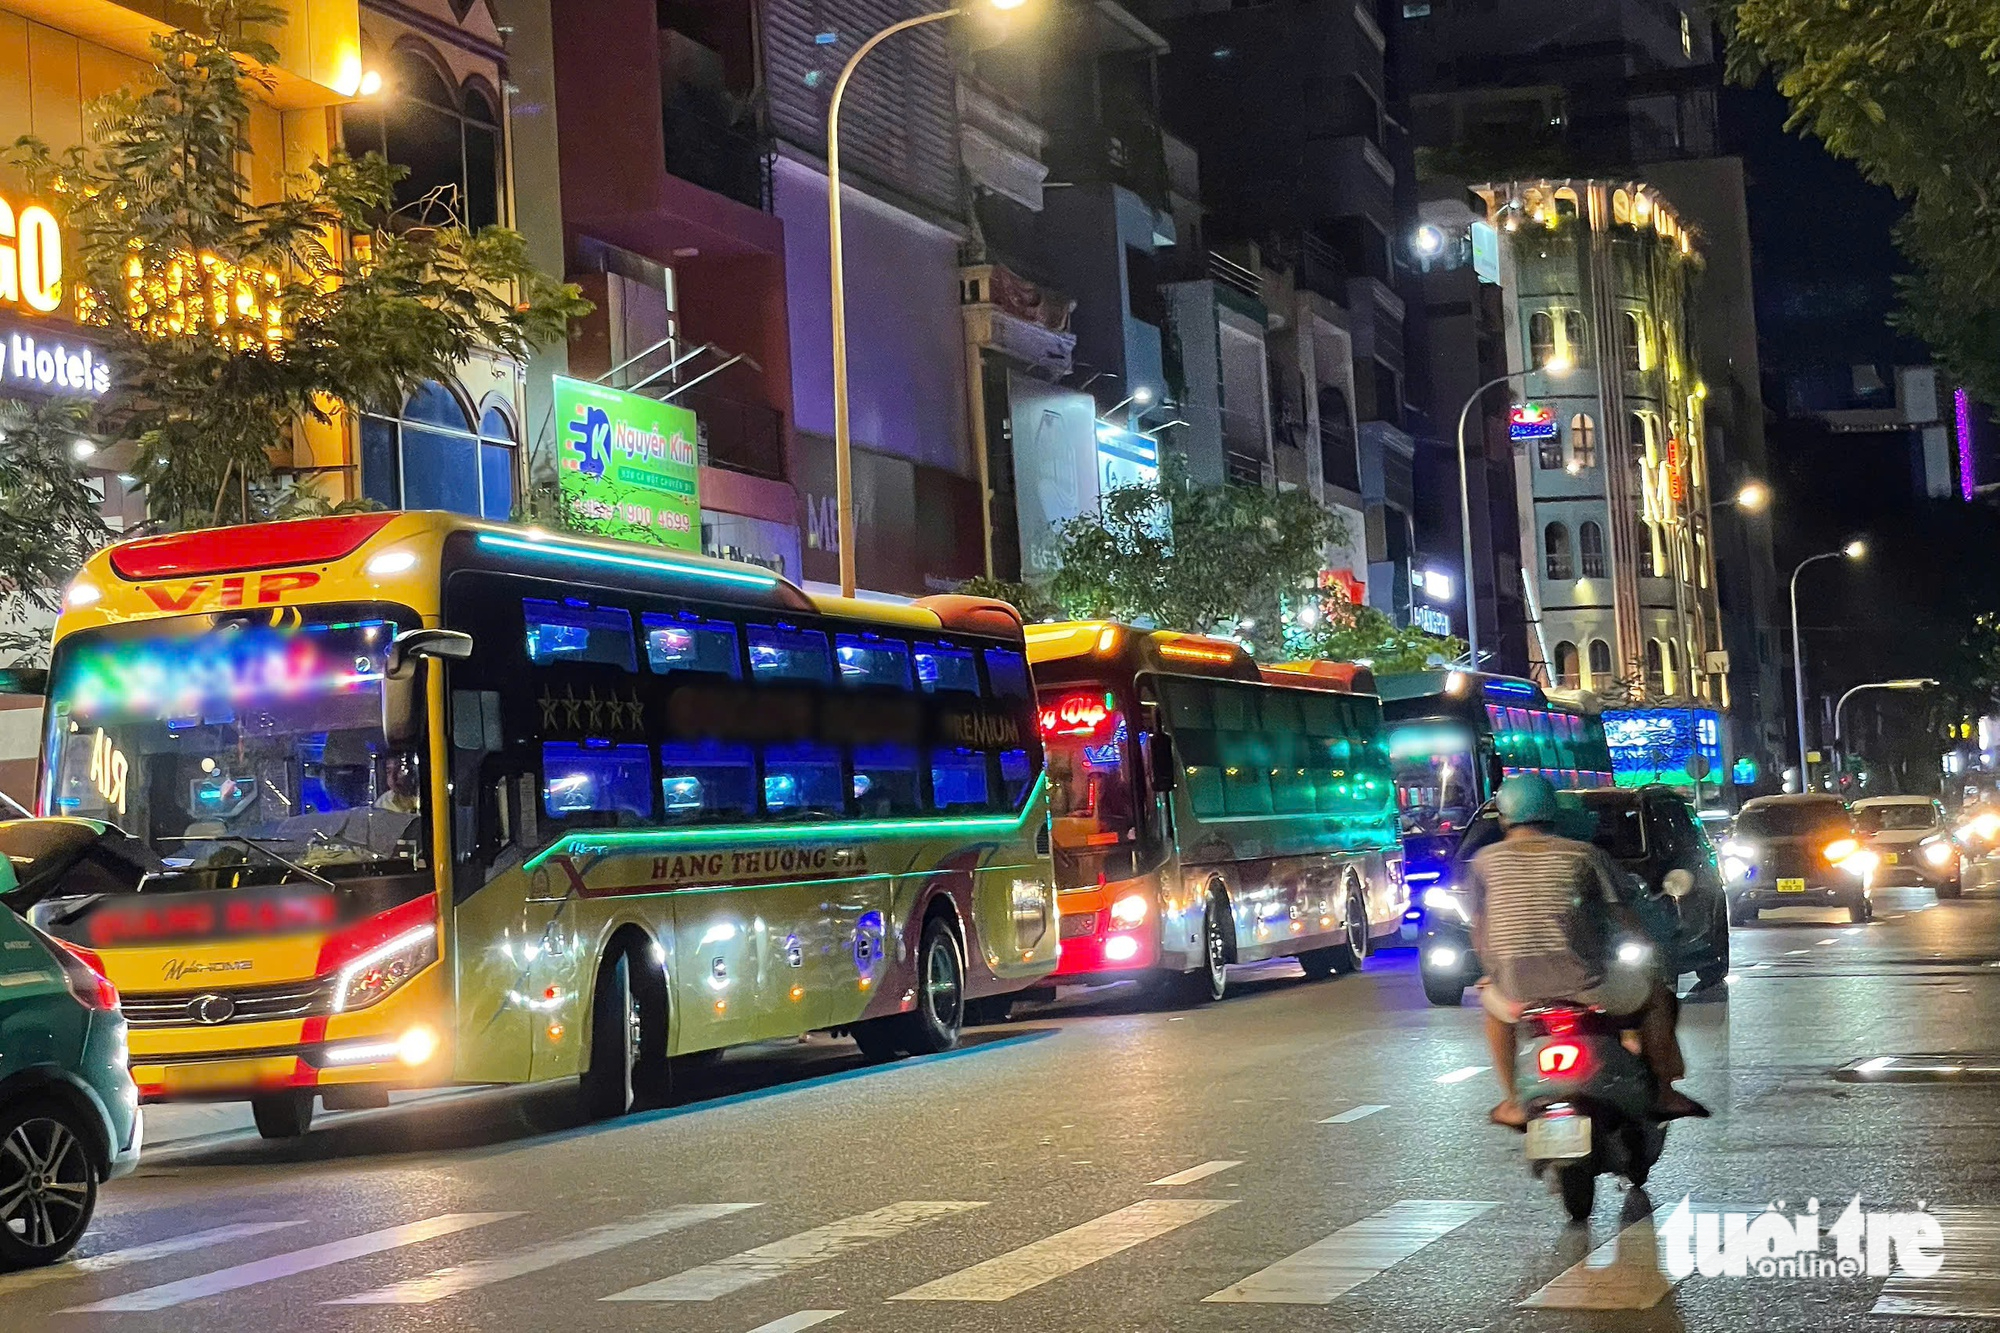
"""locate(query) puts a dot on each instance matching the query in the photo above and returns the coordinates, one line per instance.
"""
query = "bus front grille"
(219, 1008)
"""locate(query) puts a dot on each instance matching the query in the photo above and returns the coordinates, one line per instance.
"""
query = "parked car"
(1651, 832)
(1797, 851)
(69, 1111)
(1915, 840)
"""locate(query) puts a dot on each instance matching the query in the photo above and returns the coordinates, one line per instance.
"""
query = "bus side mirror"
(1163, 768)
(402, 712)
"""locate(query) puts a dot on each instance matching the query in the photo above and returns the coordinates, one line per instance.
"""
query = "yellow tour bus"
(405, 799)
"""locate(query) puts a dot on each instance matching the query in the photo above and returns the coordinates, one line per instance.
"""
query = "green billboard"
(630, 466)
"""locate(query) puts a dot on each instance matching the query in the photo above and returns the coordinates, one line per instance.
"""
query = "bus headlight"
(1129, 911)
(379, 971)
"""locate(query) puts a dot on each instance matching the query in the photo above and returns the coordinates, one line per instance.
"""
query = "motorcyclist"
(1543, 911)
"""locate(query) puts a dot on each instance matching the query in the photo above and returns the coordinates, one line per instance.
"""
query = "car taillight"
(1560, 1059)
(84, 971)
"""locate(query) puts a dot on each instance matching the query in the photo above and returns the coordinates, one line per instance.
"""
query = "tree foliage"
(1909, 90)
(1346, 632)
(50, 518)
(367, 299)
(1213, 559)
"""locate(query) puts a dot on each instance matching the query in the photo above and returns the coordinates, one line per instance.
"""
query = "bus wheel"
(605, 1087)
(282, 1115)
(1347, 954)
(1210, 981)
(935, 1023)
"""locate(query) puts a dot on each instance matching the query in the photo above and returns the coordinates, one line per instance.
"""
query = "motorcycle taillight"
(1561, 1059)
(1560, 1022)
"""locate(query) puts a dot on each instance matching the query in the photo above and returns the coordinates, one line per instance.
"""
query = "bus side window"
(575, 631)
(1007, 672)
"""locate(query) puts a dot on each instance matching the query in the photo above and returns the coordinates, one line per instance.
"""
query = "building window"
(1673, 667)
(1634, 325)
(1582, 443)
(1549, 453)
(1656, 673)
(1573, 336)
(1541, 339)
(1649, 566)
(1555, 542)
(1566, 666)
(448, 139)
(1590, 550)
(1600, 663)
(432, 457)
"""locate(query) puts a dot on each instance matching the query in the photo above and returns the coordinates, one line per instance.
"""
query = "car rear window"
(1792, 819)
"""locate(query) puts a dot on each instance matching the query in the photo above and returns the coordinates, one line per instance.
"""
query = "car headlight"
(1734, 867)
(1860, 863)
(1632, 953)
(1129, 911)
(1938, 852)
(1840, 849)
(1443, 901)
(381, 970)
(1739, 849)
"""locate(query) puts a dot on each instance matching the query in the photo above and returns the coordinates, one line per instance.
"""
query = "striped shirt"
(1524, 890)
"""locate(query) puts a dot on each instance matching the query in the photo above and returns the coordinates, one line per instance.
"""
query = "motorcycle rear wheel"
(1576, 1180)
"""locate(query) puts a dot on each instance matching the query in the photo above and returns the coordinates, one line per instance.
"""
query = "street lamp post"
(843, 456)
(1852, 551)
(1907, 683)
(1553, 367)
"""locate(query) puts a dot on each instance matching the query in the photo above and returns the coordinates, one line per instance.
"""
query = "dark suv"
(1798, 851)
(1650, 832)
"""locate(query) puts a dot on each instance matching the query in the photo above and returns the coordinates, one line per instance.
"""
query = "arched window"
(1673, 667)
(1634, 325)
(1621, 207)
(1566, 205)
(1555, 541)
(1600, 663)
(1582, 443)
(1573, 336)
(449, 139)
(1566, 666)
(430, 457)
(1590, 550)
(1541, 339)
(1656, 677)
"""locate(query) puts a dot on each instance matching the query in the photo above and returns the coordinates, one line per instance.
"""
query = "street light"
(843, 455)
(1854, 550)
(1753, 498)
(1908, 683)
(1557, 366)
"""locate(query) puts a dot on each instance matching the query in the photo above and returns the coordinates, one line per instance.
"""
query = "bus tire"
(606, 1086)
(282, 1115)
(935, 1024)
(1347, 955)
(1209, 982)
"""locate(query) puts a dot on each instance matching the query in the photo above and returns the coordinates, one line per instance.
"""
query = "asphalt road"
(1315, 1154)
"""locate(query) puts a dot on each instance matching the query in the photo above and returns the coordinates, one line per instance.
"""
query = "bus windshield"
(1091, 801)
(1437, 782)
(228, 744)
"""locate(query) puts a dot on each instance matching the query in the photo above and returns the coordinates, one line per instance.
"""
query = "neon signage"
(1532, 421)
(1075, 715)
(31, 258)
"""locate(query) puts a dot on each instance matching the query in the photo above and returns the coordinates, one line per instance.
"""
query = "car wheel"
(1716, 972)
(1860, 912)
(1741, 914)
(48, 1183)
(1319, 964)
(1953, 888)
(282, 1115)
(1444, 988)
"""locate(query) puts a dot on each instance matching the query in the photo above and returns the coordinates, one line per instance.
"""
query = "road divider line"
(451, 1281)
(1355, 1254)
(291, 1264)
(805, 1250)
(1622, 1274)
(793, 1323)
(1964, 1287)
(137, 1254)
(1045, 1260)
(1194, 1173)
(1460, 1075)
(1352, 1114)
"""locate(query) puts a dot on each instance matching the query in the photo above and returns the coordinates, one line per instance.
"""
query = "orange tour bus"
(411, 800)
(1206, 812)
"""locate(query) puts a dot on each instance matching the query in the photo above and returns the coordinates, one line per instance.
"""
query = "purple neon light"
(1962, 407)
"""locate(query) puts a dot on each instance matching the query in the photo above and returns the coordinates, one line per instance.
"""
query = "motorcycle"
(1590, 1103)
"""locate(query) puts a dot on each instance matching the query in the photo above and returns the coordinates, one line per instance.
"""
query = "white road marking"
(1790, 952)
(1351, 1114)
(1354, 1254)
(137, 1254)
(289, 1265)
(1460, 1075)
(1965, 1286)
(1622, 1274)
(1832, 941)
(1194, 1173)
(791, 1254)
(1045, 1260)
(484, 1272)
(793, 1323)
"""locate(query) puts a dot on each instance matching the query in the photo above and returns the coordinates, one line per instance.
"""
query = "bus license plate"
(1558, 1135)
(1791, 886)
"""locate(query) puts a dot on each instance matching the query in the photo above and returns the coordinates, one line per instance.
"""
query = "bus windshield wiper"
(255, 845)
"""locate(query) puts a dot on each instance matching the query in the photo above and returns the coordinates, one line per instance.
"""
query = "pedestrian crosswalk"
(746, 1251)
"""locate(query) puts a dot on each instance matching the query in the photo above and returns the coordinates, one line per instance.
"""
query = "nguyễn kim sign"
(630, 463)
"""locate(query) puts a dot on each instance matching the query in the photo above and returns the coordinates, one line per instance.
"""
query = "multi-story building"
(1613, 475)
